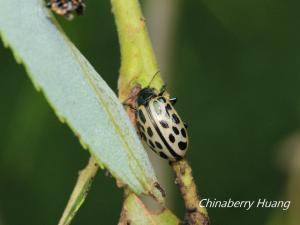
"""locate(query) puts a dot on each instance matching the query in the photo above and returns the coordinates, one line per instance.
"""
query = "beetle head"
(145, 95)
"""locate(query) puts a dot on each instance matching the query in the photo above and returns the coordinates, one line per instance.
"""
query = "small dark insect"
(66, 8)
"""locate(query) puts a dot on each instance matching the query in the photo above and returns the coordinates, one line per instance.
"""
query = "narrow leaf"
(80, 192)
(77, 93)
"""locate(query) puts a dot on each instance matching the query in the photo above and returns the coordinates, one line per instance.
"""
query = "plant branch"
(138, 66)
(138, 62)
(195, 215)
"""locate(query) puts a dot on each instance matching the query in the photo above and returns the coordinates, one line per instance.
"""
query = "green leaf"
(135, 213)
(80, 192)
(77, 93)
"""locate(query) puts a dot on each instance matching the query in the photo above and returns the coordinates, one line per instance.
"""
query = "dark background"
(235, 69)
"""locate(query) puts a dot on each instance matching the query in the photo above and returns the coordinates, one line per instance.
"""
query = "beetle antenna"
(153, 77)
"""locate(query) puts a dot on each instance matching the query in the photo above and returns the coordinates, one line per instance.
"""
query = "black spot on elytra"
(167, 113)
(149, 131)
(153, 149)
(164, 124)
(151, 143)
(176, 119)
(168, 107)
(176, 131)
(182, 145)
(143, 136)
(140, 127)
(142, 116)
(183, 132)
(163, 155)
(158, 145)
(172, 138)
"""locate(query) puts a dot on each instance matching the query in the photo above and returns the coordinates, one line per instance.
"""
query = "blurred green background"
(234, 65)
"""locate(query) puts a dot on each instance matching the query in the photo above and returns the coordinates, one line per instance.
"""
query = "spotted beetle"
(66, 7)
(159, 125)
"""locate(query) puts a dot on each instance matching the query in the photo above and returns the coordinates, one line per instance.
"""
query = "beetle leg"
(185, 125)
(173, 100)
(128, 105)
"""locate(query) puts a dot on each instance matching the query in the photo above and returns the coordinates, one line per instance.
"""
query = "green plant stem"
(138, 66)
(195, 215)
(138, 62)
